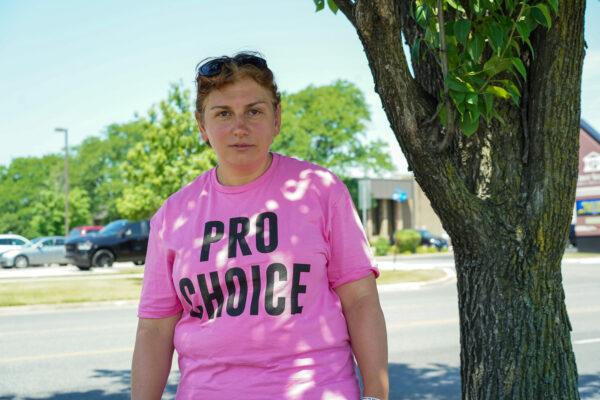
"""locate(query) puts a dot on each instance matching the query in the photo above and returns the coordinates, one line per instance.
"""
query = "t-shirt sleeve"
(159, 298)
(350, 256)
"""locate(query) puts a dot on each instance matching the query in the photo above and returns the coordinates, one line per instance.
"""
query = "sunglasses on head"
(213, 67)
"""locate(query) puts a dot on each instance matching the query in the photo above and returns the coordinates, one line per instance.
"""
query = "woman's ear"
(201, 127)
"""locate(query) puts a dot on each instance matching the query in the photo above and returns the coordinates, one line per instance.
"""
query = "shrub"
(407, 240)
(381, 244)
(423, 250)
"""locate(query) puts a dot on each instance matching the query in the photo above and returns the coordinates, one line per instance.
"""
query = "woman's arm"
(366, 325)
(152, 357)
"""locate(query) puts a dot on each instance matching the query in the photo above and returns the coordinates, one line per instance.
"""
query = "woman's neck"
(232, 177)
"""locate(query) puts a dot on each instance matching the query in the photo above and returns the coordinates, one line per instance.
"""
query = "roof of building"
(588, 128)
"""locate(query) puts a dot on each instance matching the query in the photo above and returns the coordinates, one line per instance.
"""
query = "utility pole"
(66, 177)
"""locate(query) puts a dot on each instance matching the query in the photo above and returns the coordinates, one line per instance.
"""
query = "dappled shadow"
(434, 382)
(589, 386)
(442, 382)
(117, 384)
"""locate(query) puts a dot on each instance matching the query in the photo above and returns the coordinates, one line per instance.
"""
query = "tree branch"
(444, 61)
(347, 7)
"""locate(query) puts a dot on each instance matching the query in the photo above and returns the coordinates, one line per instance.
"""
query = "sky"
(84, 65)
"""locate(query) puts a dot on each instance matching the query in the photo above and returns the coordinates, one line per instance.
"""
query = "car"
(428, 239)
(85, 230)
(121, 240)
(572, 236)
(10, 242)
(40, 251)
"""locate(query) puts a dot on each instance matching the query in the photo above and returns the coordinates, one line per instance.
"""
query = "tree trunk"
(505, 196)
(515, 332)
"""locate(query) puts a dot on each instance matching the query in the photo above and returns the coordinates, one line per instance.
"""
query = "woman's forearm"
(366, 326)
(152, 358)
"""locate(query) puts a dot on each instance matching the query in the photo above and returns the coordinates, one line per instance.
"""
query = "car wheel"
(103, 258)
(21, 262)
(84, 267)
(139, 262)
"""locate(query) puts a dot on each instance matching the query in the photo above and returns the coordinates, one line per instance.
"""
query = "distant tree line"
(134, 166)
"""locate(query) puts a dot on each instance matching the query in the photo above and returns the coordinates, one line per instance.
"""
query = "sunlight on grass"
(97, 288)
(416, 275)
(68, 291)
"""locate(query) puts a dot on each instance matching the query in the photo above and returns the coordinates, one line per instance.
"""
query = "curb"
(58, 307)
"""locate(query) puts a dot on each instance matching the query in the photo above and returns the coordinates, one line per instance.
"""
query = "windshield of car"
(113, 228)
(34, 241)
(74, 232)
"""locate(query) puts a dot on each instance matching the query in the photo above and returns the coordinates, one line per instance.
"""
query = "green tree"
(326, 125)
(48, 212)
(20, 185)
(489, 124)
(169, 156)
(98, 167)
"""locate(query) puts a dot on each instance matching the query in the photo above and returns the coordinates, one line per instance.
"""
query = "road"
(85, 352)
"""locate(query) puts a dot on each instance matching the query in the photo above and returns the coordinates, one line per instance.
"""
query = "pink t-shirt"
(253, 269)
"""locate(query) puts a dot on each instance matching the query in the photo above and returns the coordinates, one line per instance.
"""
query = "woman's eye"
(254, 112)
(223, 114)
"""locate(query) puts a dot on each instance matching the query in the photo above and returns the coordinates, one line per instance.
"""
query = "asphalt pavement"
(84, 352)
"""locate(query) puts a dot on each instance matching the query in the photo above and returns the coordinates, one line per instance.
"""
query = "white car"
(10, 242)
(41, 251)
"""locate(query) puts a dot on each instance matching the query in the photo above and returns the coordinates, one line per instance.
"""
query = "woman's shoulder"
(309, 173)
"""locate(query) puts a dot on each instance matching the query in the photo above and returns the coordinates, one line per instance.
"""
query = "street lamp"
(66, 173)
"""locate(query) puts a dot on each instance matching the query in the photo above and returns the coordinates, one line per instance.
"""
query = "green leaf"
(454, 5)
(471, 98)
(421, 15)
(497, 91)
(554, 5)
(496, 36)
(523, 29)
(518, 64)
(513, 90)
(488, 99)
(541, 14)
(495, 65)
(332, 6)
(461, 30)
(320, 4)
(510, 6)
(475, 47)
(415, 50)
(457, 97)
(470, 123)
(456, 85)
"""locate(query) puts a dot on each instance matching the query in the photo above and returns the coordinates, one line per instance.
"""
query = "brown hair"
(231, 71)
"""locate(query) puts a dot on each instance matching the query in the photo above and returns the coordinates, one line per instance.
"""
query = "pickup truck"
(121, 240)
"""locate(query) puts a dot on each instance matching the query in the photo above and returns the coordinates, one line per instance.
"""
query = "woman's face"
(240, 123)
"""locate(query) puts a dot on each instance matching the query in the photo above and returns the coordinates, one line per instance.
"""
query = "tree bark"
(505, 197)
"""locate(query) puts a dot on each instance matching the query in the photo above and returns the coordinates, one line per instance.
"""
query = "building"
(395, 204)
(586, 214)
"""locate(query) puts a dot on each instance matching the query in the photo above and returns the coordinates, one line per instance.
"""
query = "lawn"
(101, 288)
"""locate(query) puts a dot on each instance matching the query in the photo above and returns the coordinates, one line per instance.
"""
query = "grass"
(415, 275)
(76, 290)
(577, 254)
(68, 291)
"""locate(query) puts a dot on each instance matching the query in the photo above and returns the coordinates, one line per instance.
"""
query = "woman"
(258, 272)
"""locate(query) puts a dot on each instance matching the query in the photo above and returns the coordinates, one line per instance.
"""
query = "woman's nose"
(240, 126)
